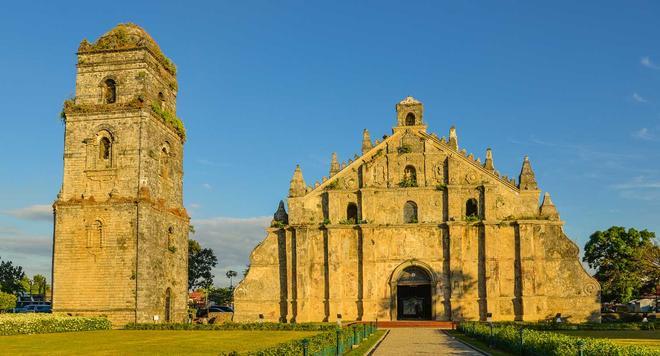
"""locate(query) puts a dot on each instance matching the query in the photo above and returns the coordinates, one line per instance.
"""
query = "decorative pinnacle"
(453, 138)
(548, 208)
(527, 179)
(297, 188)
(281, 215)
(334, 165)
(366, 141)
(489, 160)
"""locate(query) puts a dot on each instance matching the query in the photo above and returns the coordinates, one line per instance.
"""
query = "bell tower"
(410, 114)
(121, 232)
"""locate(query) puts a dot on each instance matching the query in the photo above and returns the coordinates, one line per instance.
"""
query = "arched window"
(165, 161)
(95, 234)
(352, 213)
(105, 152)
(168, 305)
(410, 119)
(472, 208)
(410, 212)
(170, 238)
(410, 176)
(161, 99)
(109, 91)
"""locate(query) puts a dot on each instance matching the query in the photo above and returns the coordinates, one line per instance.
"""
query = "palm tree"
(231, 274)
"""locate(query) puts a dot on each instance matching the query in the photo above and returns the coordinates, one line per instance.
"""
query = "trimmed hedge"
(233, 326)
(582, 326)
(536, 342)
(15, 324)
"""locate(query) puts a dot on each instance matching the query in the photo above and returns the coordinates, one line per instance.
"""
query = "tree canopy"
(627, 263)
(10, 277)
(200, 262)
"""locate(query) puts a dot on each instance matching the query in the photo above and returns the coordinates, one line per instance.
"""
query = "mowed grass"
(366, 344)
(649, 338)
(145, 342)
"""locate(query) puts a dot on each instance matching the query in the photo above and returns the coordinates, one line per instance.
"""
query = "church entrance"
(413, 295)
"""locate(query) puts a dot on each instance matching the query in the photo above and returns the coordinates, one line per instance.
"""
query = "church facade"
(416, 228)
(121, 232)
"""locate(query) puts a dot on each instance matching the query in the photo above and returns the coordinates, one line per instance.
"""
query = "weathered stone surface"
(120, 240)
(511, 258)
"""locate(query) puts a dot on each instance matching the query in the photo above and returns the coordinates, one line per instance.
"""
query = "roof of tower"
(127, 36)
(409, 100)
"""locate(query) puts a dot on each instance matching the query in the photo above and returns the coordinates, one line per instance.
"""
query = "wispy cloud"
(643, 134)
(32, 252)
(207, 186)
(638, 98)
(41, 212)
(232, 240)
(639, 188)
(648, 63)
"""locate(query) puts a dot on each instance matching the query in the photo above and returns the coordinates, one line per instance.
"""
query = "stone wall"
(508, 259)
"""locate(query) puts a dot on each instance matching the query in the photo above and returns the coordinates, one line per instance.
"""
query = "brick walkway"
(418, 341)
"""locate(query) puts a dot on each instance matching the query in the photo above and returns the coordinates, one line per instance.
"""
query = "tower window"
(109, 91)
(170, 238)
(472, 208)
(352, 213)
(95, 234)
(410, 212)
(410, 175)
(410, 119)
(165, 162)
(161, 99)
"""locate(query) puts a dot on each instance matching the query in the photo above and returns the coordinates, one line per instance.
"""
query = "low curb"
(483, 352)
(373, 348)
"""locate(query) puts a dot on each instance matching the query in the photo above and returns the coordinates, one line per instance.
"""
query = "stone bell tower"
(121, 232)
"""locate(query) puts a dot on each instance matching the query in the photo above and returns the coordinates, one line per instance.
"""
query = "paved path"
(419, 341)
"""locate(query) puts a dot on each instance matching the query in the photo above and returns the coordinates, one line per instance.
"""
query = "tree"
(200, 262)
(617, 257)
(231, 274)
(40, 284)
(7, 301)
(10, 278)
(221, 296)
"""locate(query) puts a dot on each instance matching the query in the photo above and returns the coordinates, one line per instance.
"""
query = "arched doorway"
(413, 295)
(168, 305)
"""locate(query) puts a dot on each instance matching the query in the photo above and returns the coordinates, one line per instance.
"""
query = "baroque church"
(416, 228)
(121, 232)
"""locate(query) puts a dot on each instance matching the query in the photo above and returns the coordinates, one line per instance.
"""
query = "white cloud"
(638, 98)
(35, 212)
(643, 134)
(639, 188)
(206, 186)
(32, 252)
(232, 240)
(646, 62)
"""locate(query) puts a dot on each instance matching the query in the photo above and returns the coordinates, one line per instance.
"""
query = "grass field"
(150, 342)
(367, 344)
(622, 337)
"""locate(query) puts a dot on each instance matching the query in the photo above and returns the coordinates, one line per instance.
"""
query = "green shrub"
(507, 336)
(407, 183)
(7, 301)
(14, 324)
(170, 120)
(233, 326)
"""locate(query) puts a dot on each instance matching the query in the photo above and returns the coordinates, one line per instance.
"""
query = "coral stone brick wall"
(120, 239)
(508, 259)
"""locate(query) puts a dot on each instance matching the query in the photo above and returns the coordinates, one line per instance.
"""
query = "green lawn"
(623, 337)
(151, 342)
(366, 344)
(477, 343)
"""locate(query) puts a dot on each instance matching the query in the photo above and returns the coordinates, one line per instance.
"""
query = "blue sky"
(265, 85)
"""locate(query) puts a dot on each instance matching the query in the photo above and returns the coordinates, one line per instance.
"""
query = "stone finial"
(548, 208)
(334, 165)
(366, 141)
(453, 138)
(297, 188)
(280, 215)
(489, 160)
(527, 178)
